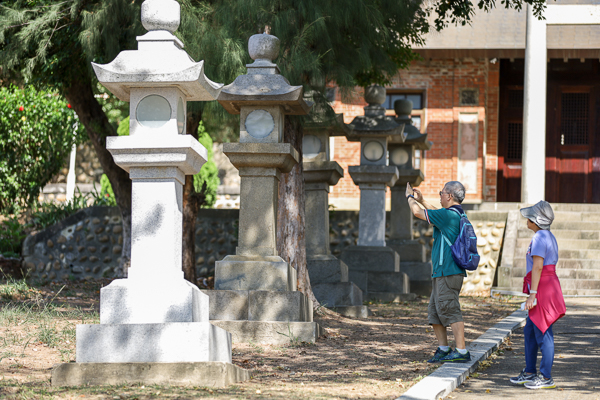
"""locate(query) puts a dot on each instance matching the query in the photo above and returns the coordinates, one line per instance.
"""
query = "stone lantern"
(154, 325)
(401, 239)
(373, 266)
(328, 274)
(256, 294)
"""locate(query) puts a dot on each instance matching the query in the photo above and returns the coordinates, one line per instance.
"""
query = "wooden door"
(510, 144)
(569, 143)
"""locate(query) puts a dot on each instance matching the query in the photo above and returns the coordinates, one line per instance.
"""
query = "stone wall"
(489, 228)
(88, 243)
(85, 245)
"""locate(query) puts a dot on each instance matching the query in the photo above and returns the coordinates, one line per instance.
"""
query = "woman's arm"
(536, 273)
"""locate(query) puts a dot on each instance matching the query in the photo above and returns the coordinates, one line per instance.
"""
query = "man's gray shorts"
(444, 308)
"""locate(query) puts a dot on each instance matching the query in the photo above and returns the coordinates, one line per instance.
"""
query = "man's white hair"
(456, 189)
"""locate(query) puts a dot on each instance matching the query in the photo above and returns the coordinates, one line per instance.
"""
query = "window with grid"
(515, 141)
(574, 121)
(515, 98)
(416, 98)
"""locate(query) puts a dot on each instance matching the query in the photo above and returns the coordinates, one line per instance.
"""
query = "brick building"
(467, 93)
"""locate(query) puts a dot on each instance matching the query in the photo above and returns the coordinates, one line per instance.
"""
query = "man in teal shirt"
(447, 277)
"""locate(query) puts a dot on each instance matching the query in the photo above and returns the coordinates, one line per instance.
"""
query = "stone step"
(586, 254)
(259, 305)
(581, 292)
(576, 216)
(566, 292)
(565, 234)
(589, 254)
(564, 264)
(338, 294)
(567, 225)
(564, 273)
(488, 216)
(567, 284)
(269, 332)
(557, 207)
(563, 244)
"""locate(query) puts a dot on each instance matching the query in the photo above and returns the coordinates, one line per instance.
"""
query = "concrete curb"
(449, 376)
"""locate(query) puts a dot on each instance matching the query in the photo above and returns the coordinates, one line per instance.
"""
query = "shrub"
(37, 132)
(12, 235)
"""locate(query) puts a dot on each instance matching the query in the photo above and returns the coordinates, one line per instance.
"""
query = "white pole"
(71, 174)
(534, 111)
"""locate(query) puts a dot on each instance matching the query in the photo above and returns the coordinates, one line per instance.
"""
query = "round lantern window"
(259, 124)
(311, 146)
(153, 111)
(373, 151)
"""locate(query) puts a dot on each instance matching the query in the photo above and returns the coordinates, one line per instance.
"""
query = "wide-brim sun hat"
(540, 213)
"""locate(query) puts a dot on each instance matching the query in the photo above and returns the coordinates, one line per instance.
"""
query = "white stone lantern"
(155, 318)
(157, 79)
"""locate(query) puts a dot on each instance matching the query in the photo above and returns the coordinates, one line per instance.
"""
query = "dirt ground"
(379, 357)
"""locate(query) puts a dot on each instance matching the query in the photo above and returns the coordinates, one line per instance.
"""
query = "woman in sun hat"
(545, 302)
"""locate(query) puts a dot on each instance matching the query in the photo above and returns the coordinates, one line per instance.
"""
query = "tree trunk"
(191, 204)
(291, 243)
(81, 97)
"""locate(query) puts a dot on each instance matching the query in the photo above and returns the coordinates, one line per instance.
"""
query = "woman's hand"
(529, 304)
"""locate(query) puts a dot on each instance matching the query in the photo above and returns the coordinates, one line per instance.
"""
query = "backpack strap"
(458, 212)
(442, 248)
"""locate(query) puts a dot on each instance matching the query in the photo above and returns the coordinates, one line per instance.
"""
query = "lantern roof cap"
(375, 123)
(403, 110)
(159, 60)
(323, 118)
(263, 85)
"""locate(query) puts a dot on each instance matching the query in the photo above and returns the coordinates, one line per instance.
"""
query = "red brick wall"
(441, 81)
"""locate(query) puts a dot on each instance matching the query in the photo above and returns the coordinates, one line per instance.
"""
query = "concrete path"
(448, 376)
(576, 368)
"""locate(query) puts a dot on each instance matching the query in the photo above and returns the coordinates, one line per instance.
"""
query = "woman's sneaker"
(523, 378)
(439, 354)
(539, 382)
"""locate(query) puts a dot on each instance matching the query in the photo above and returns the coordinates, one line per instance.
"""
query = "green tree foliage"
(37, 132)
(206, 181)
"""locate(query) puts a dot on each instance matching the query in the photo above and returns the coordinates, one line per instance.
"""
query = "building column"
(534, 111)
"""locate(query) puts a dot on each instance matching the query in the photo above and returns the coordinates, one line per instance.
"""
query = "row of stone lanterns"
(374, 266)
(328, 274)
(401, 239)
(154, 326)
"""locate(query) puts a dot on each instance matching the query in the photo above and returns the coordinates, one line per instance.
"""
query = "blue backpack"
(464, 249)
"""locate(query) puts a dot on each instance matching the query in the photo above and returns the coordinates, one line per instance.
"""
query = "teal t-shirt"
(446, 222)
